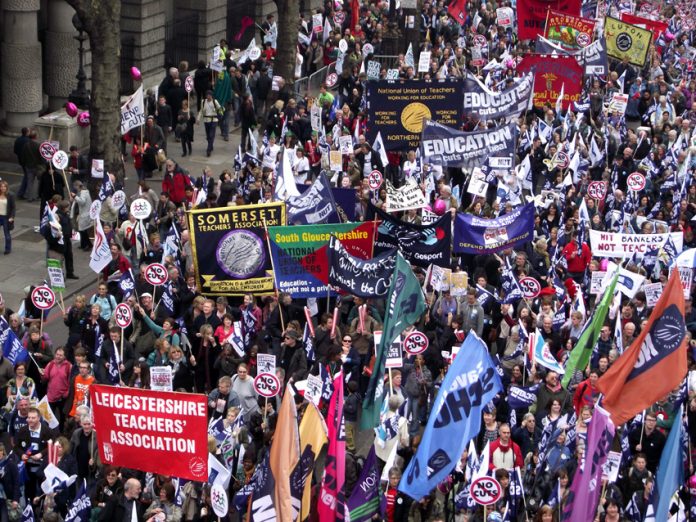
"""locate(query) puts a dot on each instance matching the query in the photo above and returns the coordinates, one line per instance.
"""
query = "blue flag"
(364, 500)
(81, 508)
(315, 206)
(12, 347)
(127, 284)
(670, 472)
(114, 363)
(167, 299)
(107, 188)
(470, 383)
(259, 491)
(28, 514)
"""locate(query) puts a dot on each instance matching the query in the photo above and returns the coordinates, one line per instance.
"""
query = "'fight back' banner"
(420, 245)
(230, 253)
(361, 277)
(300, 254)
(531, 15)
(444, 146)
(551, 73)
(475, 235)
(142, 429)
(398, 109)
(484, 104)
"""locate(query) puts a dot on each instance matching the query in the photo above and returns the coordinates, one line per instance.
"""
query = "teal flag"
(405, 305)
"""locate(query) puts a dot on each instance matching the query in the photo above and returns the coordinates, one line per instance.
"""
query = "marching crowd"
(532, 436)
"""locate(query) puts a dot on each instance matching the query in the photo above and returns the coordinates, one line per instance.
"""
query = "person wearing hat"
(82, 200)
(210, 112)
(58, 238)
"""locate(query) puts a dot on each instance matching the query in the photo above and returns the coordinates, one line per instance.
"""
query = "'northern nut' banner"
(229, 248)
(143, 429)
(484, 104)
(610, 244)
(398, 109)
(442, 145)
(475, 235)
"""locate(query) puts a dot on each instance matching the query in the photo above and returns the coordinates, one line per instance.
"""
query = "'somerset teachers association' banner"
(144, 429)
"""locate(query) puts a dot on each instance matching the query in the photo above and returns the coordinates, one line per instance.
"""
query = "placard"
(313, 389)
(596, 282)
(373, 70)
(392, 74)
(43, 298)
(504, 16)
(653, 291)
(610, 469)
(345, 145)
(686, 277)
(98, 168)
(60, 159)
(395, 357)
(266, 363)
(55, 274)
(459, 282)
(618, 103)
(335, 160)
(424, 61)
(161, 378)
(477, 184)
(267, 385)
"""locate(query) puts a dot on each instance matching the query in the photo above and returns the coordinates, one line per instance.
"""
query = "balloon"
(83, 120)
(669, 36)
(603, 265)
(692, 485)
(510, 63)
(135, 74)
(440, 207)
(71, 109)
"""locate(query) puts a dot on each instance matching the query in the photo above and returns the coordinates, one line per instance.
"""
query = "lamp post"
(80, 95)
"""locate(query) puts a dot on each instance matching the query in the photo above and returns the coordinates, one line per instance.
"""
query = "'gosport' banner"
(230, 255)
(442, 145)
(475, 235)
(484, 104)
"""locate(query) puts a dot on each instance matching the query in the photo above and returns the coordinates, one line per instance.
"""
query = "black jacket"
(66, 226)
(118, 507)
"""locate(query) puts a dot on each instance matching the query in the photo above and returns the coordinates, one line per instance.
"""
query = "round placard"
(218, 499)
(95, 209)
(43, 297)
(597, 189)
(375, 180)
(141, 209)
(118, 199)
(416, 342)
(156, 274)
(636, 181)
(188, 84)
(530, 287)
(47, 150)
(60, 159)
(123, 315)
(267, 385)
(485, 491)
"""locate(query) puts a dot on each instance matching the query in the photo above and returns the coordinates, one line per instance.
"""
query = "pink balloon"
(135, 74)
(71, 109)
(510, 63)
(669, 36)
(84, 119)
(692, 484)
(603, 265)
(439, 207)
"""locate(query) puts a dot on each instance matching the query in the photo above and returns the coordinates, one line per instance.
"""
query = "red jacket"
(175, 186)
(584, 396)
(498, 451)
(577, 263)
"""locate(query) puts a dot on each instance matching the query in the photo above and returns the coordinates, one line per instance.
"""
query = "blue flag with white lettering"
(81, 508)
(470, 383)
(12, 347)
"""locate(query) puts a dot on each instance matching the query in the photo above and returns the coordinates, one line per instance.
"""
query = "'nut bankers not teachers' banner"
(230, 251)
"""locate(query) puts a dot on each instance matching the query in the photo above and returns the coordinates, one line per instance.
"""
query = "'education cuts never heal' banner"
(300, 254)
(144, 430)
(442, 145)
(398, 109)
(484, 104)
(614, 244)
(475, 235)
(230, 252)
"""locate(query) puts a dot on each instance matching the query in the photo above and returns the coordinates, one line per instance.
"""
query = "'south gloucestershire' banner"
(230, 253)
(300, 254)
(143, 429)
(398, 109)
(475, 235)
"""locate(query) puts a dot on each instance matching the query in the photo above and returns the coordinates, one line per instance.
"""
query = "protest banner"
(592, 58)
(613, 244)
(358, 276)
(161, 378)
(475, 235)
(441, 145)
(551, 73)
(141, 429)
(397, 109)
(618, 103)
(571, 32)
(133, 112)
(656, 27)
(627, 41)
(409, 196)
(300, 254)
(484, 104)
(230, 253)
(531, 15)
(504, 16)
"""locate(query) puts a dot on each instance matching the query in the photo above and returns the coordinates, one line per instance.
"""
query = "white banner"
(610, 244)
(133, 111)
(410, 196)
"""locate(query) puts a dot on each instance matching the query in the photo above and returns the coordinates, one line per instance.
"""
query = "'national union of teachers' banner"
(300, 254)
(475, 235)
(142, 429)
(442, 145)
(484, 104)
(362, 277)
(531, 15)
(230, 253)
(627, 41)
(420, 245)
(397, 109)
(614, 244)
(551, 73)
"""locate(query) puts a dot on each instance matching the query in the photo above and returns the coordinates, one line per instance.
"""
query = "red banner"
(552, 73)
(531, 15)
(457, 10)
(657, 28)
(144, 430)
(572, 32)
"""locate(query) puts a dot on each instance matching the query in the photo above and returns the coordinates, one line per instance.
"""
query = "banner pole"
(391, 388)
(642, 429)
(122, 334)
(275, 285)
(265, 407)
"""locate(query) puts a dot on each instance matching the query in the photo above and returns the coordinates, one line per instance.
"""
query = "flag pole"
(122, 334)
(275, 286)
(642, 429)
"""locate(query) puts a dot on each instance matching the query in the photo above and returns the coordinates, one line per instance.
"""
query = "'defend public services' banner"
(230, 252)
(551, 74)
(300, 254)
(482, 103)
(397, 109)
(475, 235)
(448, 147)
(143, 429)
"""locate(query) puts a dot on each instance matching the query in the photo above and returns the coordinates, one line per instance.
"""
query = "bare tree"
(288, 27)
(101, 20)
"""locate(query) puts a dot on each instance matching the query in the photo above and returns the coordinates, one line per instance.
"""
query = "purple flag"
(587, 482)
(364, 501)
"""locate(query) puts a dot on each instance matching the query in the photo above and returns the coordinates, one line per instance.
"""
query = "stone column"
(61, 59)
(22, 95)
(212, 23)
(142, 36)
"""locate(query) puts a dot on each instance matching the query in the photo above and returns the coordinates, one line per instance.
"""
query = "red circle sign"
(530, 287)
(267, 385)
(416, 342)
(563, 159)
(485, 491)
(47, 150)
(597, 189)
(636, 181)
(374, 180)
(156, 274)
(188, 84)
(123, 315)
(331, 79)
(43, 297)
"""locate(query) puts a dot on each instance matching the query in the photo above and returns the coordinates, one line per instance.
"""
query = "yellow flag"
(313, 436)
(627, 41)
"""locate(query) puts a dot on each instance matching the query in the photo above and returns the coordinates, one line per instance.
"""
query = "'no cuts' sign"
(43, 297)
(267, 385)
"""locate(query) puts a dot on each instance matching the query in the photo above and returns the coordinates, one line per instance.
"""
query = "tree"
(288, 28)
(102, 22)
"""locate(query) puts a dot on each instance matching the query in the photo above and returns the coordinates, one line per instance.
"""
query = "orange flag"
(655, 363)
(285, 452)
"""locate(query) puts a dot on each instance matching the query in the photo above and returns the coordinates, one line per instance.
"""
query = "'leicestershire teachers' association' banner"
(614, 244)
(230, 252)
(484, 104)
(398, 109)
(442, 145)
(475, 235)
(300, 256)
